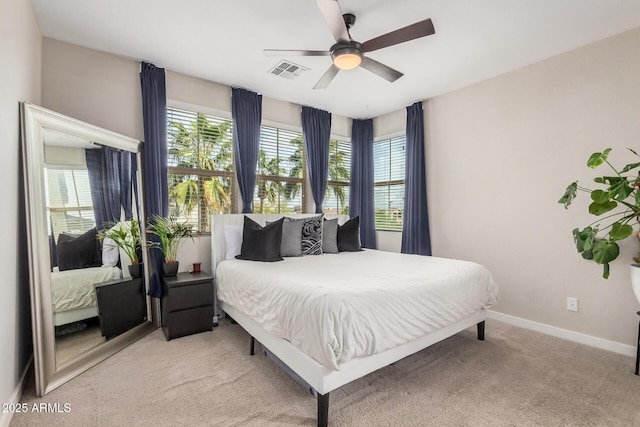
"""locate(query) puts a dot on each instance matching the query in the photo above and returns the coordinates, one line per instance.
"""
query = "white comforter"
(73, 289)
(336, 307)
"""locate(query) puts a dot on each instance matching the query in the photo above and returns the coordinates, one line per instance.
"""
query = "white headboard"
(218, 221)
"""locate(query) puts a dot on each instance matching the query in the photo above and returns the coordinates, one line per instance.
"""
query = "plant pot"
(635, 280)
(135, 270)
(170, 269)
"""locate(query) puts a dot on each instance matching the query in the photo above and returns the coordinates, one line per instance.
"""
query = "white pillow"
(110, 253)
(233, 240)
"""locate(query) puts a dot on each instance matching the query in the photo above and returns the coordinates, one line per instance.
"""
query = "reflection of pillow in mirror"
(79, 251)
(110, 253)
(233, 240)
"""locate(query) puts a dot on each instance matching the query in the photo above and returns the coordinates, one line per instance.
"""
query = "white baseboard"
(592, 341)
(5, 417)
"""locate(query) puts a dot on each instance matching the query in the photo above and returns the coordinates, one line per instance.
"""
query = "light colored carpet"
(514, 378)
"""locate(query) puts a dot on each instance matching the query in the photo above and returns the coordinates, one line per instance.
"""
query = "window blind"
(389, 174)
(68, 201)
(280, 172)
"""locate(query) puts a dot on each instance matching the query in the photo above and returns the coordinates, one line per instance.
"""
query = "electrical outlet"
(572, 304)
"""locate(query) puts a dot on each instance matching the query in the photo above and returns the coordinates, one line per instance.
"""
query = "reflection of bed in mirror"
(73, 294)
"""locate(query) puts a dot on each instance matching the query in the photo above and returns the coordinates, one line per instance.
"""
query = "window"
(68, 199)
(336, 199)
(388, 178)
(279, 180)
(200, 166)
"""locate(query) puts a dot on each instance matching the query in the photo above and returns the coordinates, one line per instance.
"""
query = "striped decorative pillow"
(312, 236)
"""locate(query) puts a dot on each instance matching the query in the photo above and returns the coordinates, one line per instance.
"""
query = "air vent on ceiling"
(288, 70)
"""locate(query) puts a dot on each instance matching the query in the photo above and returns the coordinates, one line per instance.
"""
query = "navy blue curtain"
(126, 191)
(316, 129)
(154, 112)
(134, 183)
(415, 224)
(361, 191)
(246, 110)
(104, 167)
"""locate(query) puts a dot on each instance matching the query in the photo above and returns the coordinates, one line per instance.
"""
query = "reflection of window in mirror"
(69, 206)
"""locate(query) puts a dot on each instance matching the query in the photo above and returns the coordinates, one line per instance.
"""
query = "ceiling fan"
(348, 54)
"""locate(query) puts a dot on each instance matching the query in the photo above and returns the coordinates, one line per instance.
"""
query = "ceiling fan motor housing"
(346, 56)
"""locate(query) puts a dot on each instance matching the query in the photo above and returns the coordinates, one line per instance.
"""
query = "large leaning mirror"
(88, 296)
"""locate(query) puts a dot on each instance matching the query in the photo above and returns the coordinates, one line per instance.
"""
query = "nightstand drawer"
(187, 322)
(184, 297)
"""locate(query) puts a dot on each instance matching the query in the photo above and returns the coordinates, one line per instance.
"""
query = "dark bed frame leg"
(481, 331)
(253, 346)
(323, 410)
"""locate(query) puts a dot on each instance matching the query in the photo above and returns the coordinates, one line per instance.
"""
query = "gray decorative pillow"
(312, 236)
(330, 236)
(291, 237)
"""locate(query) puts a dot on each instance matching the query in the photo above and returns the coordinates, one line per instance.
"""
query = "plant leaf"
(629, 167)
(584, 239)
(605, 251)
(597, 159)
(569, 194)
(620, 231)
(600, 196)
(600, 208)
(620, 189)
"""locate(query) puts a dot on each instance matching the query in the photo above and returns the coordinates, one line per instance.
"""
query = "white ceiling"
(222, 41)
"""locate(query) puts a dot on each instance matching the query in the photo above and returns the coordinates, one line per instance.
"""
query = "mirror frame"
(48, 376)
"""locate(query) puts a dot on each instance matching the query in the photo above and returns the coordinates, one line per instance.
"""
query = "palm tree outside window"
(201, 170)
(280, 172)
(336, 199)
(200, 166)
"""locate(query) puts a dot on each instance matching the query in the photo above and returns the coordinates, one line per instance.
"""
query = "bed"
(79, 261)
(73, 295)
(334, 318)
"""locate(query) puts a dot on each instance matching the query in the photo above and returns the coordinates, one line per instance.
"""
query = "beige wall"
(92, 86)
(20, 49)
(499, 156)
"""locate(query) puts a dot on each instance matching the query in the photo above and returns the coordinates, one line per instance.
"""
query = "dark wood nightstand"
(122, 305)
(187, 304)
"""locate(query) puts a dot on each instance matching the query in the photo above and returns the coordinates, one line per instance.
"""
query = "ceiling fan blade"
(380, 69)
(330, 9)
(327, 77)
(410, 32)
(285, 52)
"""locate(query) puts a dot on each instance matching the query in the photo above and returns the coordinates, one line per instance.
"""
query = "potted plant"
(619, 198)
(126, 235)
(171, 234)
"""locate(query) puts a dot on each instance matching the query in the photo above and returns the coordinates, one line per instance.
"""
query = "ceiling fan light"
(347, 61)
(347, 58)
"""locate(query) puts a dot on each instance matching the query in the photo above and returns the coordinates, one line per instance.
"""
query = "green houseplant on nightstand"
(126, 235)
(171, 234)
(617, 203)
